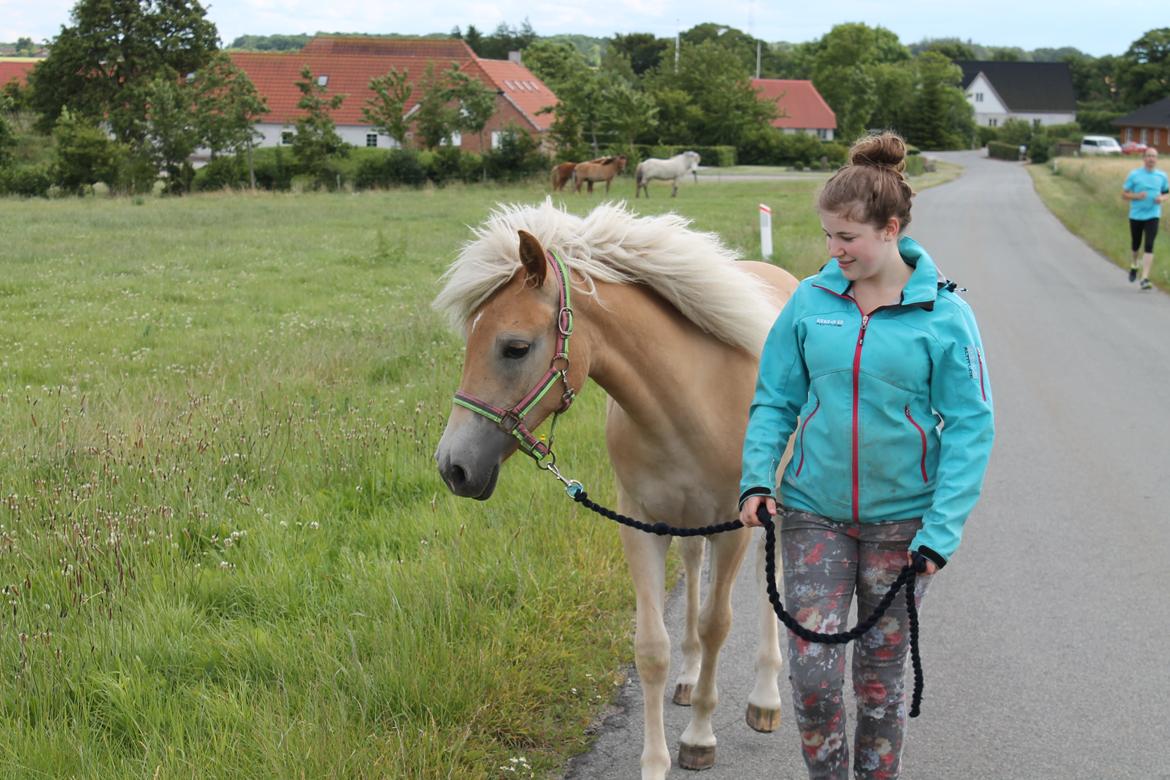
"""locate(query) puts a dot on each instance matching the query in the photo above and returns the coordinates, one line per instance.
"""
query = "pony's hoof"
(760, 719)
(682, 694)
(691, 757)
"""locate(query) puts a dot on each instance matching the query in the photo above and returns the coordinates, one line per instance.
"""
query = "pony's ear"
(533, 259)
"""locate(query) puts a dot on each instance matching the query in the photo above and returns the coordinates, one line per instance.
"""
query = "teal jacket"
(894, 409)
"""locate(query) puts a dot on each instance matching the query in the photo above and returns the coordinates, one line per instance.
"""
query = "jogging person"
(1145, 188)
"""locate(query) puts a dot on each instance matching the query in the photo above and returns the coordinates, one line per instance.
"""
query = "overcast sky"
(1098, 28)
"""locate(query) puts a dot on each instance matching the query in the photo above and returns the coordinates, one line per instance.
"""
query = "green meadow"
(1085, 195)
(224, 547)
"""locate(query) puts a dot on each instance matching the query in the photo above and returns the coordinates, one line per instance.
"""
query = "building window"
(823, 134)
(992, 122)
(322, 81)
(371, 139)
(497, 138)
(455, 139)
(1143, 139)
(978, 97)
(1036, 123)
(286, 137)
(1129, 134)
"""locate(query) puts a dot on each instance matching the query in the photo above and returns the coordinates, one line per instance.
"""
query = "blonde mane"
(692, 270)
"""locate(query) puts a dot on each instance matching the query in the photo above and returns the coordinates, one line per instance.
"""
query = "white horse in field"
(674, 168)
(665, 320)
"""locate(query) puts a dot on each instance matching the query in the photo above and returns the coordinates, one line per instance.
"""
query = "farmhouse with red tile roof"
(16, 69)
(345, 65)
(799, 107)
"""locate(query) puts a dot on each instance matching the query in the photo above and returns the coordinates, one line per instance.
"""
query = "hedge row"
(275, 168)
(1001, 151)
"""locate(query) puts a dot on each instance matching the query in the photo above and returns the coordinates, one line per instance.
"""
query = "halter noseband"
(511, 421)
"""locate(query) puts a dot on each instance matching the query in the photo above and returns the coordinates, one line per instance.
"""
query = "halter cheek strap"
(512, 420)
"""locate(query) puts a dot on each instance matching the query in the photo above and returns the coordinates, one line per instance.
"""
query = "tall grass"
(1085, 195)
(224, 549)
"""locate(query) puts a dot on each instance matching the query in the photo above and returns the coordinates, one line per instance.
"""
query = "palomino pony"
(666, 321)
(601, 169)
(674, 168)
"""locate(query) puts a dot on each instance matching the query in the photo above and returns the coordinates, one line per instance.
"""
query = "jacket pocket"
(803, 427)
(922, 439)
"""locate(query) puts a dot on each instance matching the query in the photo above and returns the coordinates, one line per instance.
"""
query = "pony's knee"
(652, 659)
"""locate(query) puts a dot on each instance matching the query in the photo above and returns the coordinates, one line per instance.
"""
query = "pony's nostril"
(456, 476)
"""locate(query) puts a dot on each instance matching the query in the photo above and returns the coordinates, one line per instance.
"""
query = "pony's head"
(517, 369)
(507, 293)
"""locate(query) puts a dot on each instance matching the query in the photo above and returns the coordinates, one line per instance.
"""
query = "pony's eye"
(516, 350)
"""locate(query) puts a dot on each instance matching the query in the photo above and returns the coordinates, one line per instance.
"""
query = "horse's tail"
(638, 175)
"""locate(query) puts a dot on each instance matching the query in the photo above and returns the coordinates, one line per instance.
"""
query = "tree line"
(130, 90)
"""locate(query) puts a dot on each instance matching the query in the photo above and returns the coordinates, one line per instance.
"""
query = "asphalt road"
(1046, 640)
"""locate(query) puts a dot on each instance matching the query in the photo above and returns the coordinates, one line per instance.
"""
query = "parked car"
(1133, 147)
(1099, 144)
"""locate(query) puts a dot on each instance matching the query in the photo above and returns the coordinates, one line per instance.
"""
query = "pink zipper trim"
(982, 387)
(922, 435)
(803, 428)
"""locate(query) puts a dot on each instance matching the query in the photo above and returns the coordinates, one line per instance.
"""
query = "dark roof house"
(1149, 125)
(1038, 92)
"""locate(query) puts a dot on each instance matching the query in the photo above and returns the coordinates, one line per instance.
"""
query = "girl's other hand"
(931, 566)
(747, 515)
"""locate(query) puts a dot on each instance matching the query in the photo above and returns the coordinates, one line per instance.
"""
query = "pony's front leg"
(646, 558)
(696, 748)
(763, 710)
(674, 188)
(692, 557)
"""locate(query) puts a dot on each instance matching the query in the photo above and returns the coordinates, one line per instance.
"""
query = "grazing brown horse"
(601, 169)
(561, 174)
(667, 321)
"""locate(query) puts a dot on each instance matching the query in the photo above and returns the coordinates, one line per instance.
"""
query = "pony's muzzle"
(469, 467)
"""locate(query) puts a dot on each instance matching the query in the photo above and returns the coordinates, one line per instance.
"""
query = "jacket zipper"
(922, 435)
(856, 417)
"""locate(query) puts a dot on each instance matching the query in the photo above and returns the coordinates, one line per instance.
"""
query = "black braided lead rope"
(906, 578)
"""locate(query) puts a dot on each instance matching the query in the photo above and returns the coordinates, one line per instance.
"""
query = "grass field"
(1085, 195)
(224, 548)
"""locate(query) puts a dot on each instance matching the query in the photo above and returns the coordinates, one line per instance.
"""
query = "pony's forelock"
(691, 269)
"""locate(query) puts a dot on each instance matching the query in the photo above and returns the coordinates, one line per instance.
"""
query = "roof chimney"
(514, 56)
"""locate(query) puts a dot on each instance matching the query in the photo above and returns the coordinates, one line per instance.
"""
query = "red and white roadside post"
(766, 231)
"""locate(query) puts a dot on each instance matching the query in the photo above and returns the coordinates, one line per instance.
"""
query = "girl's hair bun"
(872, 188)
(881, 150)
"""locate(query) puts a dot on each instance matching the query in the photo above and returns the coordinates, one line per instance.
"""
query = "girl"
(880, 362)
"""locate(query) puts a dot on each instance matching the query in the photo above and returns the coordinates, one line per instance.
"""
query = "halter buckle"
(509, 422)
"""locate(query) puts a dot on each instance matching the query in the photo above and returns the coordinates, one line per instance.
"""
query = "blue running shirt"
(1153, 183)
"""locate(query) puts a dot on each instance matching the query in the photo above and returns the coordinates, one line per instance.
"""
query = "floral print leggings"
(825, 562)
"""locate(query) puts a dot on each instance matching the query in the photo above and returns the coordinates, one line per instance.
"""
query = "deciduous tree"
(227, 106)
(436, 119)
(172, 133)
(386, 111)
(1143, 72)
(474, 101)
(316, 139)
(844, 72)
(102, 64)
